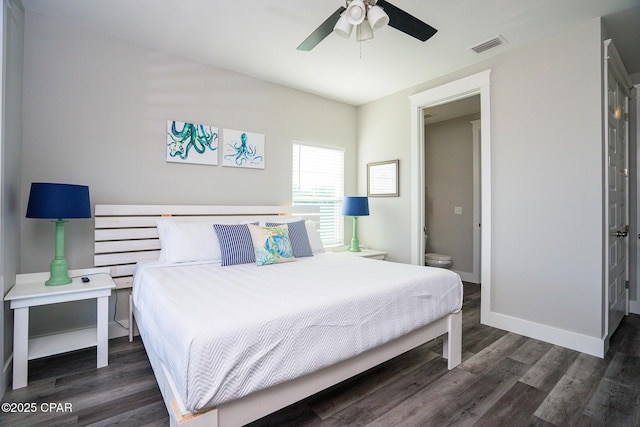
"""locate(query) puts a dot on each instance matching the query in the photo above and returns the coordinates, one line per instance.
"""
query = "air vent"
(489, 44)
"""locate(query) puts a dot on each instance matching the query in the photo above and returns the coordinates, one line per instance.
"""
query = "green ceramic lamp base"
(59, 267)
(355, 243)
(59, 273)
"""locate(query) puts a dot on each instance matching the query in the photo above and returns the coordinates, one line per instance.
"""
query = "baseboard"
(118, 329)
(571, 340)
(634, 306)
(467, 276)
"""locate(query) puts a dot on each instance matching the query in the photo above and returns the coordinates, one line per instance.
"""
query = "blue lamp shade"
(58, 201)
(355, 206)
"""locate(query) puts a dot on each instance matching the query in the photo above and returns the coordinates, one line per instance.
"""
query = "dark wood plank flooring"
(505, 379)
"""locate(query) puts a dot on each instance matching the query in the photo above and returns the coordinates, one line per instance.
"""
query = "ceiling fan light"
(356, 12)
(364, 32)
(343, 28)
(377, 18)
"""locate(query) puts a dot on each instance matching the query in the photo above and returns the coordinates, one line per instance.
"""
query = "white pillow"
(188, 241)
(314, 237)
(161, 224)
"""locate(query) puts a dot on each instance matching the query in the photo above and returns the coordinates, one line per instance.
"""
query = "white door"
(616, 138)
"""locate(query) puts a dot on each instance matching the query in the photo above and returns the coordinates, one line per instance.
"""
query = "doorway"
(452, 184)
(477, 84)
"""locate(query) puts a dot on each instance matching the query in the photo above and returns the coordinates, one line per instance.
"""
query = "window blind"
(318, 180)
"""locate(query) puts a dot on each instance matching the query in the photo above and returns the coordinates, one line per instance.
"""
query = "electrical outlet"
(457, 210)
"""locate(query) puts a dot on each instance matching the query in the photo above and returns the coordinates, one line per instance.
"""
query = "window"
(318, 180)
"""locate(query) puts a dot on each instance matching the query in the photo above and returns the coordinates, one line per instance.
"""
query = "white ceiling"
(259, 38)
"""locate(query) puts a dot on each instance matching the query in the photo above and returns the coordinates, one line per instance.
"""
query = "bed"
(231, 343)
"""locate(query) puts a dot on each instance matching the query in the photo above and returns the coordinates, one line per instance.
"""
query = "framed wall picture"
(382, 179)
(192, 143)
(243, 149)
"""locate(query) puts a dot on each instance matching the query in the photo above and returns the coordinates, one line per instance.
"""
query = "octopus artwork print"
(192, 143)
(243, 149)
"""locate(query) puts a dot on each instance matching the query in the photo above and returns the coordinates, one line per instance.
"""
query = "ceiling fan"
(368, 15)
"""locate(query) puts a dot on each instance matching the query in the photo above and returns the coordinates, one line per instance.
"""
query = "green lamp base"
(355, 243)
(59, 273)
(59, 267)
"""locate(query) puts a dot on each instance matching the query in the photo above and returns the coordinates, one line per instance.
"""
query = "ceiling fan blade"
(322, 31)
(408, 24)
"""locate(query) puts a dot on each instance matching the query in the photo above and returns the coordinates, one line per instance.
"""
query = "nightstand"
(366, 253)
(30, 291)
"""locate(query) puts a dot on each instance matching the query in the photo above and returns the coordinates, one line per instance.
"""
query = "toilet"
(437, 260)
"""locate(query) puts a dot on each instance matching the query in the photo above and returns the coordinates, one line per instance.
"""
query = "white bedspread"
(224, 332)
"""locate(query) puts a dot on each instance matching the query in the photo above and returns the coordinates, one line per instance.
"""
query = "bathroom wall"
(449, 185)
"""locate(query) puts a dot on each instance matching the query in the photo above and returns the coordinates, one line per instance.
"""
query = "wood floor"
(505, 379)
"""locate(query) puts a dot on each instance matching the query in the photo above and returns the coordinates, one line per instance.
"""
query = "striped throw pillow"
(236, 245)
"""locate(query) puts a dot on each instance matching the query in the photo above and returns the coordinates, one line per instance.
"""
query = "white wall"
(384, 134)
(95, 112)
(12, 21)
(547, 165)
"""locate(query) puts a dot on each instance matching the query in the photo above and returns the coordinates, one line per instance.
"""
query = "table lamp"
(355, 206)
(58, 202)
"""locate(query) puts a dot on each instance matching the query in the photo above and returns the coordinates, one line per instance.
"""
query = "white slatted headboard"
(126, 234)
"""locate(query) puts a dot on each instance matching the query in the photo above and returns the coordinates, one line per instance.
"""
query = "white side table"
(366, 253)
(30, 291)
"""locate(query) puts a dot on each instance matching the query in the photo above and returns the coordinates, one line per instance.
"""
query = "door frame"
(477, 84)
(634, 185)
(476, 128)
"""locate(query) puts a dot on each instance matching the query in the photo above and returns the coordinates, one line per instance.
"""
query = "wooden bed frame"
(126, 234)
